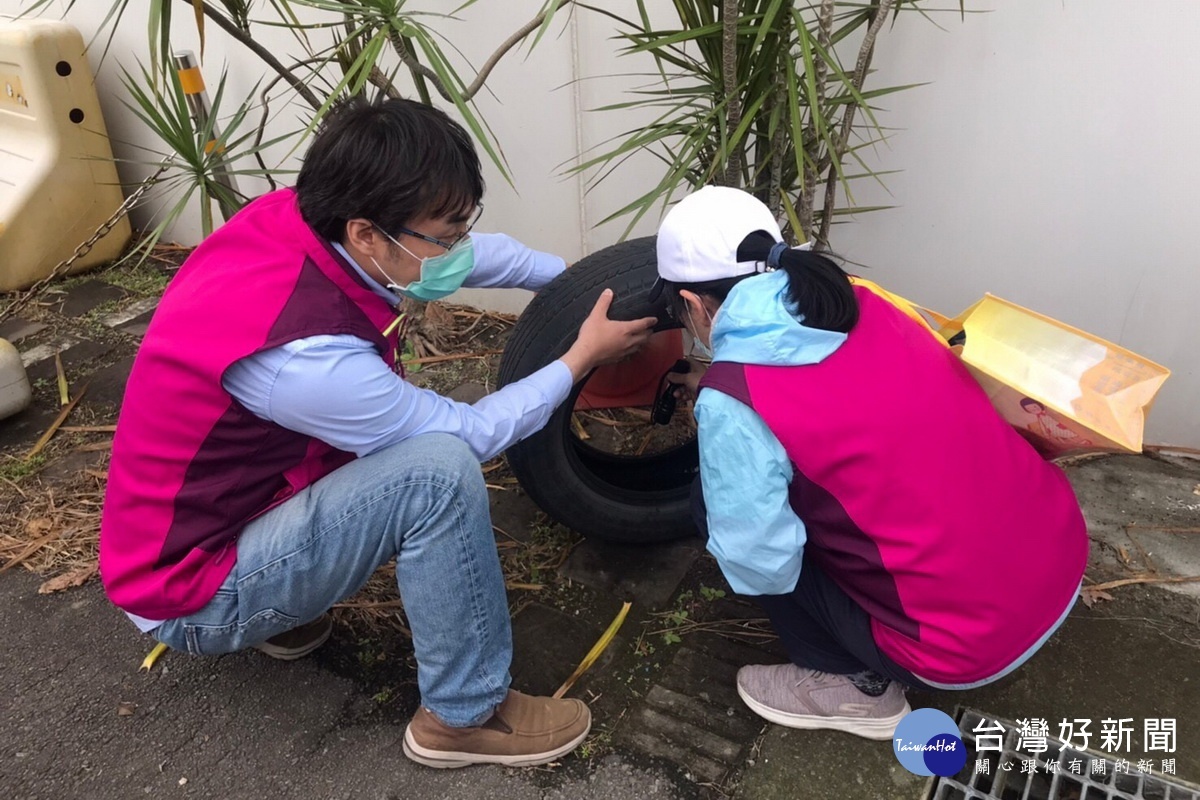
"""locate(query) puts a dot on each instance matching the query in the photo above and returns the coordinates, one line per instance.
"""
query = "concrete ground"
(77, 718)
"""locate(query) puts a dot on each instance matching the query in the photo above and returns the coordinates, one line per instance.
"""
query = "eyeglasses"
(439, 242)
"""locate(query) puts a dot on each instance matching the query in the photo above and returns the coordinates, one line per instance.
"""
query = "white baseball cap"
(698, 239)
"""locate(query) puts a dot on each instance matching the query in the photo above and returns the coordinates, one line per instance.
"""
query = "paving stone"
(68, 467)
(128, 313)
(548, 644)
(88, 295)
(693, 717)
(700, 685)
(77, 363)
(22, 430)
(738, 654)
(138, 325)
(646, 575)
(47, 350)
(687, 734)
(418, 377)
(107, 386)
(729, 722)
(468, 393)
(16, 329)
(105, 389)
(514, 514)
(697, 674)
(700, 767)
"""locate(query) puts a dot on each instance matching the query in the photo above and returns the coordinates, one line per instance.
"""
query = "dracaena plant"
(750, 93)
(340, 48)
(191, 157)
(756, 94)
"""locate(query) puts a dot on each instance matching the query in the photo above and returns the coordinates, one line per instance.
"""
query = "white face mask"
(699, 348)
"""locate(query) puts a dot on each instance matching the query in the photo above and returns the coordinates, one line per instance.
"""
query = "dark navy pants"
(819, 625)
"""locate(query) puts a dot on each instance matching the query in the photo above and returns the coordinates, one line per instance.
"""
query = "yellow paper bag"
(1064, 389)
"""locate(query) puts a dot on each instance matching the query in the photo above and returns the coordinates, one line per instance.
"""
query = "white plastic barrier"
(15, 391)
(58, 182)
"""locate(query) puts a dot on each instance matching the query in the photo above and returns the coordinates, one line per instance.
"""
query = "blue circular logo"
(926, 742)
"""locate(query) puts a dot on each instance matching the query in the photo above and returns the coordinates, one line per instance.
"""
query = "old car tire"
(617, 498)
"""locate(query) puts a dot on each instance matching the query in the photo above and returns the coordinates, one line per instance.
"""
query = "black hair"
(1026, 402)
(389, 162)
(818, 289)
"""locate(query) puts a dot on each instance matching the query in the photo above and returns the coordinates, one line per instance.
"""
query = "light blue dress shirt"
(337, 389)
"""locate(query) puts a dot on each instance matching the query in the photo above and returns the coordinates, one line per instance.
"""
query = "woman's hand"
(688, 383)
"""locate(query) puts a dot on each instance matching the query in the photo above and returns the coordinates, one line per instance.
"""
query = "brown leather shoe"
(522, 732)
(300, 641)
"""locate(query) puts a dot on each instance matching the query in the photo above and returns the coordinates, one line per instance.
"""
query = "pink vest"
(190, 466)
(921, 503)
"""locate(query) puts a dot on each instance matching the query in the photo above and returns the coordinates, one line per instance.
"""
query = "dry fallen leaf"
(39, 525)
(1124, 554)
(126, 709)
(76, 577)
(1090, 596)
(597, 649)
(1197, 489)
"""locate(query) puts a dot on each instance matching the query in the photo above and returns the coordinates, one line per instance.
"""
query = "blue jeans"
(422, 501)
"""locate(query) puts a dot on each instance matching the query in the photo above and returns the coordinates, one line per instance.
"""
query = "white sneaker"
(796, 697)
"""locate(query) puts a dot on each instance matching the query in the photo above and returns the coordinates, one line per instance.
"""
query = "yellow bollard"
(192, 83)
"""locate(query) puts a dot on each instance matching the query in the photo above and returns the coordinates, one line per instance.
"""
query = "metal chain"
(84, 248)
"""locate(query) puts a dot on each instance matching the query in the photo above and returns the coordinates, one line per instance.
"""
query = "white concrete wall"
(1047, 161)
(540, 113)
(1051, 161)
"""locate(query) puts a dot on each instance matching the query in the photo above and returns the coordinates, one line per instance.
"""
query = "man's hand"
(604, 341)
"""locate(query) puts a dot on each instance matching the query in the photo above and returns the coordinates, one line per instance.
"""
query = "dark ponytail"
(817, 287)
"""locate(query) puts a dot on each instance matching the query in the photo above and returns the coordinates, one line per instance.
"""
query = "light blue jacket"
(755, 536)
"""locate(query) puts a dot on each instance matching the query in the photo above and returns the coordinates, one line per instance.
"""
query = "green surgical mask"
(441, 275)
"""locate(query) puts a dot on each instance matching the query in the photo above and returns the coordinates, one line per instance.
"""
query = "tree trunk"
(865, 52)
(812, 168)
(733, 100)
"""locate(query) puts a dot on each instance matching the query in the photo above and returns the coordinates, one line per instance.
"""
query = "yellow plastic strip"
(394, 324)
(152, 657)
(191, 80)
(601, 645)
(64, 394)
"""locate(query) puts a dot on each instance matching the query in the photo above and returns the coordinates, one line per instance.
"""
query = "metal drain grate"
(1053, 778)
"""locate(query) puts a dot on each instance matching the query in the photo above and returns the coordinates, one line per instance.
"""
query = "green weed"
(14, 469)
